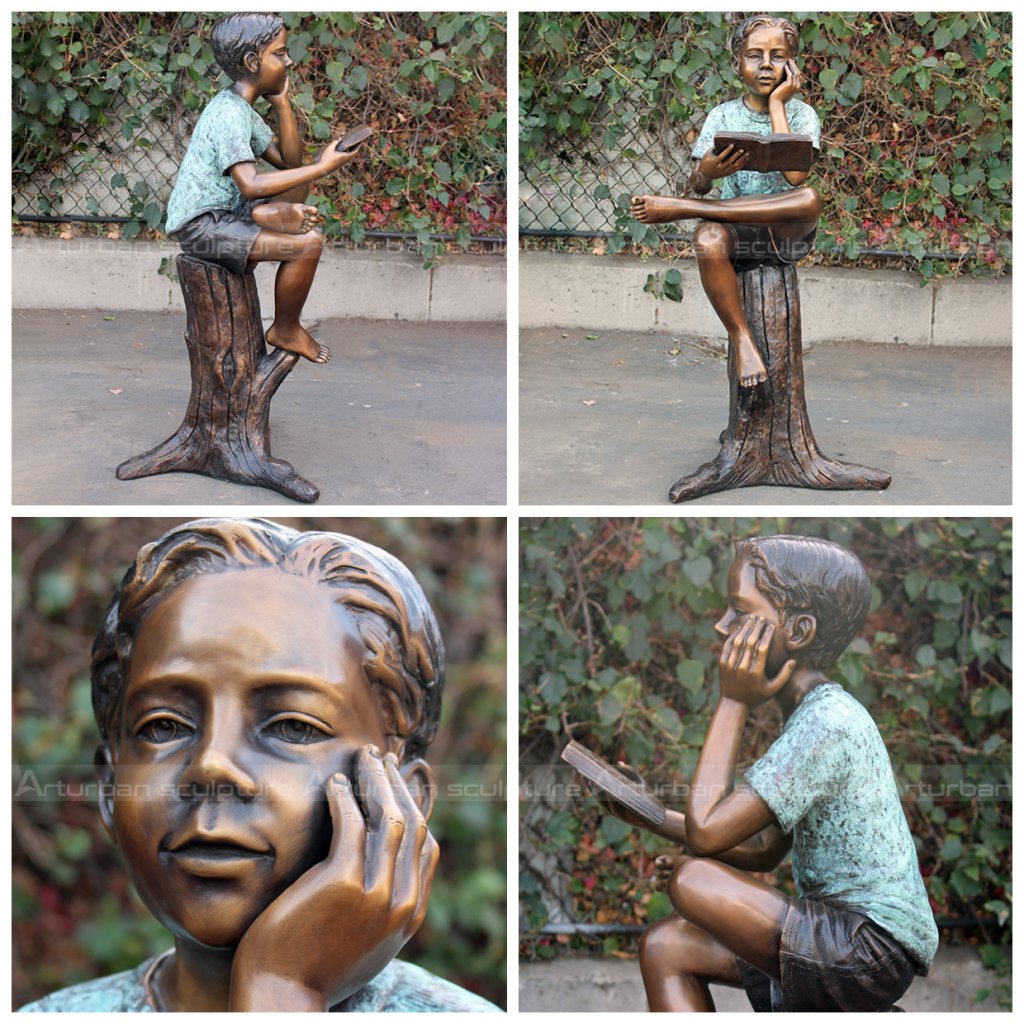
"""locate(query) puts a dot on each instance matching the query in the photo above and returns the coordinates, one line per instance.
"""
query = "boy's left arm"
(287, 151)
(718, 818)
(781, 95)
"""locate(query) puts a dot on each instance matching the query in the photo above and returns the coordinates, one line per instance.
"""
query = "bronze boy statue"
(860, 927)
(264, 699)
(223, 208)
(768, 218)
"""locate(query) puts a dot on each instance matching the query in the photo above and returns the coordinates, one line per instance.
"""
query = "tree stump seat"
(226, 430)
(769, 438)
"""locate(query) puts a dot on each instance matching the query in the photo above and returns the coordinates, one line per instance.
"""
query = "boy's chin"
(218, 926)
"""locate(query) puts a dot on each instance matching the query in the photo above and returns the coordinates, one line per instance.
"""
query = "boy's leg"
(800, 205)
(299, 256)
(744, 915)
(714, 245)
(289, 218)
(678, 960)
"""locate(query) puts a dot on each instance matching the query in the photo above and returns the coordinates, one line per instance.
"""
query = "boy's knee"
(691, 881)
(312, 243)
(712, 239)
(659, 943)
(812, 199)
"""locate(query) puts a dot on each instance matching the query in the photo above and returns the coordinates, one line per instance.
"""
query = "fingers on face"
(414, 838)
(386, 822)
(348, 836)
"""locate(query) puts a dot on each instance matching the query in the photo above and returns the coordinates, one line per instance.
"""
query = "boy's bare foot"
(657, 209)
(749, 364)
(291, 218)
(298, 340)
(664, 866)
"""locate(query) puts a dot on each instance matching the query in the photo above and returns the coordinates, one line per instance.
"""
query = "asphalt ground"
(404, 413)
(617, 417)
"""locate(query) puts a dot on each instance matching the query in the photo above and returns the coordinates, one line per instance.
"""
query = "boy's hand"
(789, 85)
(280, 98)
(617, 807)
(331, 160)
(741, 668)
(721, 165)
(343, 921)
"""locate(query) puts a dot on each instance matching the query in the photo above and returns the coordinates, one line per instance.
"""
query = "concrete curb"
(594, 984)
(98, 273)
(606, 292)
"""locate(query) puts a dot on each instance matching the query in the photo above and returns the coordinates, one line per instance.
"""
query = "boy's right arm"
(256, 185)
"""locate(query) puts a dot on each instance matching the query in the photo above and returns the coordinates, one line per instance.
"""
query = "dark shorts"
(832, 959)
(220, 237)
(761, 245)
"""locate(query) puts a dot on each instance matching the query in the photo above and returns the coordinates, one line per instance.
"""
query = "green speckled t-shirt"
(828, 780)
(228, 132)
(399, 988)
(736, 116)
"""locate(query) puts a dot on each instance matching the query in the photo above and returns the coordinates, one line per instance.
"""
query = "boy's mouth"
(217, 856)
(218, 845)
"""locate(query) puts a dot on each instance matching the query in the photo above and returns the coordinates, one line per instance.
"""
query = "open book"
(614, 783)
(776, 152)
(353, 138)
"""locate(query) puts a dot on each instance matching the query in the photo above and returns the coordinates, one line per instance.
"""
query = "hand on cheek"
(345, 919)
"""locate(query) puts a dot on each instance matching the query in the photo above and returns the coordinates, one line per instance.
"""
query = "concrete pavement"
(615, 417)
(603, 984)
(403, 414)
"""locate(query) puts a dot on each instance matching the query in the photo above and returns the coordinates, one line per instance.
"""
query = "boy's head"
(240, 666)
(743, 30)
(811, 579)
(238, 39)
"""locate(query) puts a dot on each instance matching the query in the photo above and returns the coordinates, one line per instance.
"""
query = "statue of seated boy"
(860, 927)
(223, 208)
(264, 699)
(761, 218)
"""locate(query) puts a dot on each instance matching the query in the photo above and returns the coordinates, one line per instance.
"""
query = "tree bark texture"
(226, 430)
(769, 438)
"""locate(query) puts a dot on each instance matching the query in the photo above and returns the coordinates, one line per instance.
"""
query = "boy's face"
(746, 600)
(763, 59)
(245, 693)
(274, 64)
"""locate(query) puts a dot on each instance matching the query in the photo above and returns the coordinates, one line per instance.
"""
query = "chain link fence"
(118, 172)
(573, 188)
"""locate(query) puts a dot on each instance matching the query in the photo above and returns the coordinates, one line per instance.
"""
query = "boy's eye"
(295, 730)
(163, 730)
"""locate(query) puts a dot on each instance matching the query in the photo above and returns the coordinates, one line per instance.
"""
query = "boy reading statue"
(264, 699)
(860, 928)
(224, 209)
(762, 218)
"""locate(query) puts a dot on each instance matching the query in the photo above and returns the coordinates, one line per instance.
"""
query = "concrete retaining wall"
(97, 273)
(606, 292)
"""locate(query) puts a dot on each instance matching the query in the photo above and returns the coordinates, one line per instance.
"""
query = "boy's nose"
(723, 624)
(214, 773)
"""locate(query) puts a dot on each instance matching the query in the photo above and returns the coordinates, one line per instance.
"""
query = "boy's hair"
(404, 653)
(741, 31)
(237, 35)
(807, 574)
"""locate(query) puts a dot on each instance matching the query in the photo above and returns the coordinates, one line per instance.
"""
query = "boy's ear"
(104, 762)
(802, 629)
(420, 780)
(251, 62)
